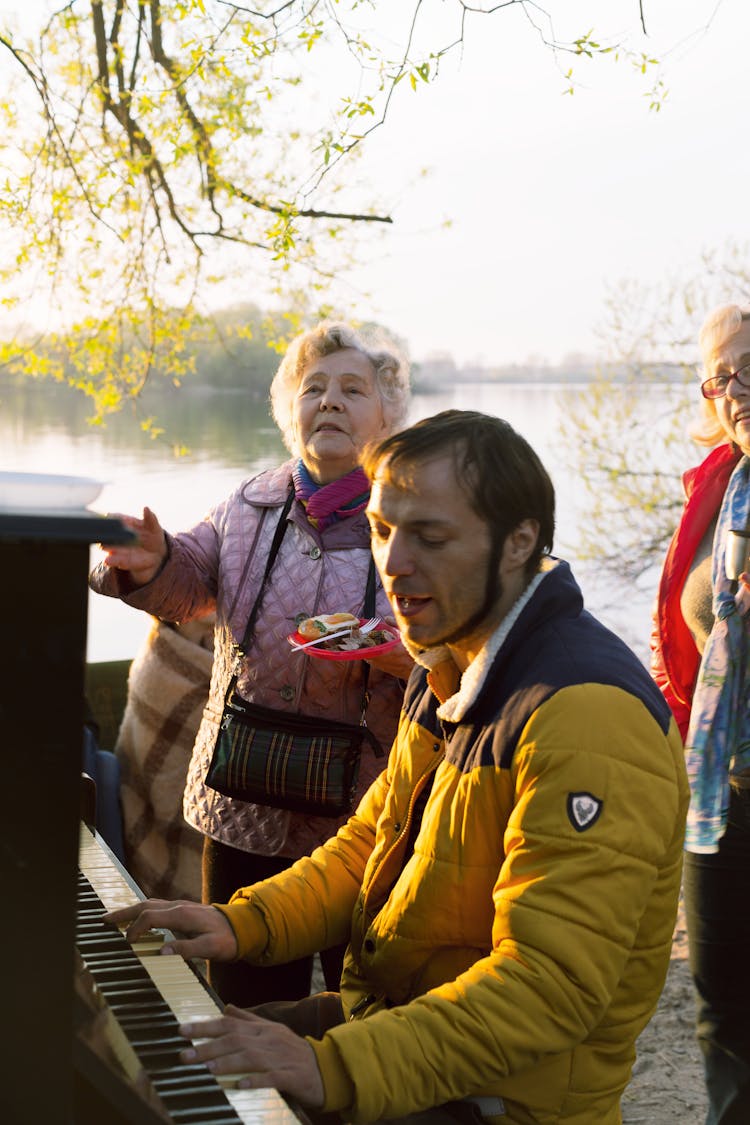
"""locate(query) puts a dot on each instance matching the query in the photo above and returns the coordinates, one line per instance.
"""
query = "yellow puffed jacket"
(510, 882)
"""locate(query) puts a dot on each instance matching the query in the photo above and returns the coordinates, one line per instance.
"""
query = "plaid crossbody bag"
(282, 758)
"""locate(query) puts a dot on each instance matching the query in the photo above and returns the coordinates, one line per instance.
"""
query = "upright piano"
(64, 980)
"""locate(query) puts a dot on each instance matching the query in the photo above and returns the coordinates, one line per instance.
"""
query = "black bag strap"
(278, 535)
(369, 611)
(369, 603)
(369, 607)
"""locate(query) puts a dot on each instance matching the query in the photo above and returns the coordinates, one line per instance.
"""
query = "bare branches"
(256, 14)
(203, 148)
(23, 62)
(207, 79)
(650, 387)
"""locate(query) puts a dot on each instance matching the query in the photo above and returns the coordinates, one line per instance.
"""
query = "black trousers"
(717, 907)
(225, 869)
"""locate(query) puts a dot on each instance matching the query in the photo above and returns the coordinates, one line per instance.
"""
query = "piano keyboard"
(149, 996)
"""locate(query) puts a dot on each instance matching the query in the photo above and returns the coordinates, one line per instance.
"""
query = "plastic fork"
(365, 627)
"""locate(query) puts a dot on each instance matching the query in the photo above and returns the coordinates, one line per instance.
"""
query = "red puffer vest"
(674, 656)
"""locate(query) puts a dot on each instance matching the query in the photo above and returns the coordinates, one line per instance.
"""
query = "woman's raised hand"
(144, 560)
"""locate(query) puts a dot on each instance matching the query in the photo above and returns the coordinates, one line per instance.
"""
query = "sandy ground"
(667, 1084)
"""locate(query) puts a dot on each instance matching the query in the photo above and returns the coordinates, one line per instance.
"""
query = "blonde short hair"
(720, 325)
(390, 365)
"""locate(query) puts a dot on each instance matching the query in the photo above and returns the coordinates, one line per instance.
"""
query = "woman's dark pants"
(717, 904)
(225, 870)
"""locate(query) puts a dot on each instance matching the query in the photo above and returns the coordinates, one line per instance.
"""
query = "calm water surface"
(231, 438)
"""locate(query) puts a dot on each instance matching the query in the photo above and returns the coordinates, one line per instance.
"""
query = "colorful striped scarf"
(719, 732)
(326, 503)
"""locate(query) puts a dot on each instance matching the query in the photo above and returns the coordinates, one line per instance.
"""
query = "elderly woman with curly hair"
(699, 659)
(334, 392)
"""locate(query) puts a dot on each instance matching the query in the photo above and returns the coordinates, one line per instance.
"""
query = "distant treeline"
(240, 348)
(236, 351)
(235, 348)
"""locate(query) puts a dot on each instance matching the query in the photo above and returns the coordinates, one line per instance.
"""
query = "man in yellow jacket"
(509, 884)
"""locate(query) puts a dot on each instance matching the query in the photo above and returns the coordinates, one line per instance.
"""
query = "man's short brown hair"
(504, 480)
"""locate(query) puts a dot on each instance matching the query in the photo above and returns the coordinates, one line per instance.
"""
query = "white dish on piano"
(46, 492)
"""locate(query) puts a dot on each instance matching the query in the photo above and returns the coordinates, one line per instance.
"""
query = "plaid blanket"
(167, 690)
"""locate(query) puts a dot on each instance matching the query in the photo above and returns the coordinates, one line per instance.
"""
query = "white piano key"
(111, 886)
(261, 1107)
(178, 985)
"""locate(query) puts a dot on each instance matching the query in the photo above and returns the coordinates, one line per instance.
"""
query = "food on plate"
(317, 628)
(313, 627)
(356, 639)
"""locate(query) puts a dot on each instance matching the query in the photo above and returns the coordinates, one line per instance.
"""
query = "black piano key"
(178, 1077)
(172, 1085)
(149, 1028)
(114, 975)
(205, 1115)
(192, 1096)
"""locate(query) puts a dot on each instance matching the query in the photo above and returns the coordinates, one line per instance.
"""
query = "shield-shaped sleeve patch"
(583, 810)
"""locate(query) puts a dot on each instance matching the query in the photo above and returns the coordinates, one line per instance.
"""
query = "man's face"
(434, 556)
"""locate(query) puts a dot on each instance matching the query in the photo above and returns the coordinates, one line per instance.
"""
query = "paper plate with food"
(342, 636)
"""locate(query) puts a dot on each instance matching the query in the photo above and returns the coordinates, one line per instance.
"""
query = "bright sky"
(553, 198)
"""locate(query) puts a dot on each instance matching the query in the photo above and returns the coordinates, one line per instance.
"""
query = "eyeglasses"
(716, 386)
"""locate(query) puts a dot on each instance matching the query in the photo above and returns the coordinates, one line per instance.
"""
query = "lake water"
(230, 438)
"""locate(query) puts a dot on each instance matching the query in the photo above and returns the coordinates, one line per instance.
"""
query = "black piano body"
(48, 1074)
(44, 559)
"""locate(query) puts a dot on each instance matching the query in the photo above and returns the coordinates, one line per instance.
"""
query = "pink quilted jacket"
(223, 559)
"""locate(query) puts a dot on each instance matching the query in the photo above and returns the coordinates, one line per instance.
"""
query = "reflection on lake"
(230, 437)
